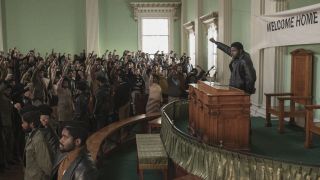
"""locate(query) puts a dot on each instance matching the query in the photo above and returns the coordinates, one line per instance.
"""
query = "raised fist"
(212, 40)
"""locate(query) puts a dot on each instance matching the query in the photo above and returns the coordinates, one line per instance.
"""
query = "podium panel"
(220, 115)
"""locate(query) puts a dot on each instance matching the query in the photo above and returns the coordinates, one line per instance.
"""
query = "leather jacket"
(243, 74)
(52, 139)
(82, 168)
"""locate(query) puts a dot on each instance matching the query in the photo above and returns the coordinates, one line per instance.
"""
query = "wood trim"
(189, 26)
(210, 18)
(95, 141)
(312, 106)
(155, 8)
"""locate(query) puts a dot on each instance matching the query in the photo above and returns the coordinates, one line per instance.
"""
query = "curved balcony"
(214, 162)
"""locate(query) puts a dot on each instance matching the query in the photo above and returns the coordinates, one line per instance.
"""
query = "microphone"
(209, 70)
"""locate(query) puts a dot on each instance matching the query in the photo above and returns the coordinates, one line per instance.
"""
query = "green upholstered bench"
(151, 154)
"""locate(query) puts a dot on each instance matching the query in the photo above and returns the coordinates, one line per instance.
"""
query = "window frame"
(141, 33)
(215, 52)
(211, 20)
(190, 28)
(154, 10)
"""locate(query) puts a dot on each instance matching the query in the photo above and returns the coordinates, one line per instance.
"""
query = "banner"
(292, 27)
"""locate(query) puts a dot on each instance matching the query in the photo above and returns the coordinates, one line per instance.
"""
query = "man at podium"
(243, 74)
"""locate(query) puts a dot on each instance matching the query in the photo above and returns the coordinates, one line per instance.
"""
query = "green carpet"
(268, 142)
(121, 164)
(288, 146)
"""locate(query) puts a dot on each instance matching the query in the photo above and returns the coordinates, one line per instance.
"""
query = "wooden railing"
(97, 139)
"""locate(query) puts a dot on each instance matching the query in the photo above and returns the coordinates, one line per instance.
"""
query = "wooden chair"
(301, 90)
(311, 127)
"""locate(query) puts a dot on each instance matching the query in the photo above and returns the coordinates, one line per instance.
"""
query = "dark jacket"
(122, 95)
(52, 139)
(176, 85)
(81, 107)
(82, 168)
(38, 162)
(243, 74)
(103, 102)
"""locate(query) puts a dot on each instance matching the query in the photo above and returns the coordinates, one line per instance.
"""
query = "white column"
(269, 62)
(224, 35)
(92, 25)
(274, 57)
(199, 34)
(184, 36)
(257, 56)
(1, 27)
(279, 54)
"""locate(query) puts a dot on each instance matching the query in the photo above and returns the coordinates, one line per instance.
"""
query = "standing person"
(175, 85)
(38, 162)
(6, 133)
(39, 86)
(155, 96)
(74, 163)
(137, 88)
(243, 74)
(102, 108)
(65, 103)
(81, 102)
(122, 98)
(49, 130)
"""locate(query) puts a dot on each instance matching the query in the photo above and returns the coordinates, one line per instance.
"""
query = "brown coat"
(38, 163)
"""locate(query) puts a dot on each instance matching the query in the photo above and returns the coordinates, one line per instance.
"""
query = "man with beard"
(38, 163)
(243, 74)
(74, 163)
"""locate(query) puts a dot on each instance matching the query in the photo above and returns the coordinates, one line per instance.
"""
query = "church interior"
(159, 89)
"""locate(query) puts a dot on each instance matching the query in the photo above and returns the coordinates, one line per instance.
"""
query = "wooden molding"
(189, 26)
(155, 8)
(209, 19)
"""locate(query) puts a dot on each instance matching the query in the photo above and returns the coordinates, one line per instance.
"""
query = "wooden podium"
(220, 115)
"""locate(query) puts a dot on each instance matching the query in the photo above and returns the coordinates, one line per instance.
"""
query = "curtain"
(1, 27)
(92, 25)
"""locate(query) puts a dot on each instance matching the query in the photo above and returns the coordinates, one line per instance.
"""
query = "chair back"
(301, 74)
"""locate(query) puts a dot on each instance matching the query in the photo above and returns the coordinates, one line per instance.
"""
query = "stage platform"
(269, 151)
(265, 141)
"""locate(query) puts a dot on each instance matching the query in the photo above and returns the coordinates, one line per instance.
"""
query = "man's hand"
(212, 40)
(41, 64)
(18, 106)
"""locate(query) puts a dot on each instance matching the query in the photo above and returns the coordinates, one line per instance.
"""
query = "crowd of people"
(49, 105)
